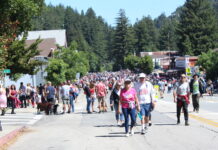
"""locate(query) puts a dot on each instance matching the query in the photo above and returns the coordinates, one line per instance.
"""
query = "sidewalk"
(14, 124)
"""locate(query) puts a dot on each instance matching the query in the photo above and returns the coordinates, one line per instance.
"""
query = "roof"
(45, 47)
(159, 56)
(58, 35)
(159, 53)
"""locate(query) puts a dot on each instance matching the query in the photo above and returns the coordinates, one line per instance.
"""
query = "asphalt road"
(81, 131)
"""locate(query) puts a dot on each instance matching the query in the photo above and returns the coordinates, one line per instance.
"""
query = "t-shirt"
(196, 88)
(101, 90)
(127, 96)
(23, 90)
(182, 88)
(145, 92)
(28, 90)
(51, 92)
(65, 91)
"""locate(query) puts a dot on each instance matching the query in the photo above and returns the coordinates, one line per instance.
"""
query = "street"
(99, 131)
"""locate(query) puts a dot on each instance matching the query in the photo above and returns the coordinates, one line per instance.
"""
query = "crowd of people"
(29, 96)
(128, 94)
(135, 95)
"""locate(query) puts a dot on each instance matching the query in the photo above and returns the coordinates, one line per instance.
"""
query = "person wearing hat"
(181, 98)
(129, 103)
(145, 93)
(196, 89)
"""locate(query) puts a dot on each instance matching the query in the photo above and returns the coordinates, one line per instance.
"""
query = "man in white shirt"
(145, 93)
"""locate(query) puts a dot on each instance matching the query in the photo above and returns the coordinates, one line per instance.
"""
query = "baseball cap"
(142, 75)
(183, 75)
(128, 80)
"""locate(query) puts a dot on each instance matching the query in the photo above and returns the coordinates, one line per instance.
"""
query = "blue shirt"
(50, 90)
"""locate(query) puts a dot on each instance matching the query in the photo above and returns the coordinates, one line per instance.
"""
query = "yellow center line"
(204, 120)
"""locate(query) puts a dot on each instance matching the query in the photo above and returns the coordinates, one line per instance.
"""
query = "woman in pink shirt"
(129, 102)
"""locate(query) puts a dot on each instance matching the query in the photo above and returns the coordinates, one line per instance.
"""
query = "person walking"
(145, 93)
(181, 98)
(129, 102)
(3, 100)
(22, 95)
(93, 95)
(50, 93)
(88, 97)
(65, 92)
(114, 102)
(28, 93)
(196, 89)
(101, 92)
(72, 96)
(13, 98)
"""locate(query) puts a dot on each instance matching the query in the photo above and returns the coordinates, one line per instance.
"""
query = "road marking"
(204, 120)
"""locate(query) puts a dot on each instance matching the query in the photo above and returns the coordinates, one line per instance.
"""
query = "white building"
(51, 38)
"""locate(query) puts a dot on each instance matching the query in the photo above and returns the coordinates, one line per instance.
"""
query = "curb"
(8, 137)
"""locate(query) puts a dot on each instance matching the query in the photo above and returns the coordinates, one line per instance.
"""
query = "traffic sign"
(7, 71)
(188, 71)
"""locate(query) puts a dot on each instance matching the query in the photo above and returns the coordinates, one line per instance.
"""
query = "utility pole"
(168, 46)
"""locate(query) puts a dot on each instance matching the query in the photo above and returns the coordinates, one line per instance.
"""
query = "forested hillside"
(108, 45)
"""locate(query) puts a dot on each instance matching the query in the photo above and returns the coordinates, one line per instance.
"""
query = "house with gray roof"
(50, 40)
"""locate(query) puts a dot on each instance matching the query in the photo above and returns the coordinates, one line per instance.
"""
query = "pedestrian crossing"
(23, 119)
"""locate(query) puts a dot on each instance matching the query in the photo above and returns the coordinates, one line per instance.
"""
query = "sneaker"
(143, 131)
(132, 132)
(127, 134)
(150, 124)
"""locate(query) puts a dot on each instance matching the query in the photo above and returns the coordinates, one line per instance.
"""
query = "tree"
(146, 64)
(167, 38)
(123, 40)
(209, 62)
(197, 29)
(15, 19)
(146, 35)
(77, 61)
(132, 62)
(139, 64)
(56, 70)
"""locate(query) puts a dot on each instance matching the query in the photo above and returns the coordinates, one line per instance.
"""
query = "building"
(50, 40)
(161, 59)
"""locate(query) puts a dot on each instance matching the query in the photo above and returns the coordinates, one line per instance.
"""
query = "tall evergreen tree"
(197, 29)
(122, 40)
(167, 37)
(146, 35)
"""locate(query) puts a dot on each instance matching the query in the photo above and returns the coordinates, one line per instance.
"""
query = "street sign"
(7, 71)
(77, 76)
(188, 71)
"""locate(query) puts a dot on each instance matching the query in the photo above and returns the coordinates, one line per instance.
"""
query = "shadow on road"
(165, 124)
(108, 136)
(115, 133)
(103, 126)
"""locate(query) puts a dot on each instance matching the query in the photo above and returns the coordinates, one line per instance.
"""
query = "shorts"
(101, 99)
(28, 97)
(66, 101)
(145, 109)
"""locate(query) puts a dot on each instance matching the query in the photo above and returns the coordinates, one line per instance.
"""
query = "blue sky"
(109, 9)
